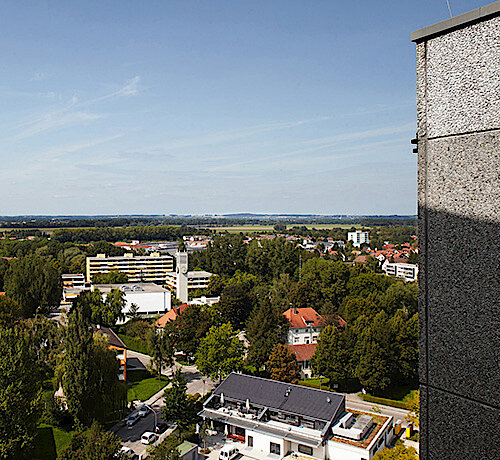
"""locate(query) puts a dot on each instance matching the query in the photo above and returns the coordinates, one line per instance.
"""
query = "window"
(305, 449)
(275, 449)
(250, 441)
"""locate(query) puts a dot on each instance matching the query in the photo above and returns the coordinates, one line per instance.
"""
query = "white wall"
(303, 335)
(263, 442)
(342, 451)
(149, 302)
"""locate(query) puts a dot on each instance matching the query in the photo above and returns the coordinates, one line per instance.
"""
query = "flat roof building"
(151, 268)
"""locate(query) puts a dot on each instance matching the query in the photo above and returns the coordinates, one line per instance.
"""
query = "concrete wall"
(458, 89)
(148, 302)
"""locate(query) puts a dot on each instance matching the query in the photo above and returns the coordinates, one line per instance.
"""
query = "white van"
(148, 437)
(228, 452)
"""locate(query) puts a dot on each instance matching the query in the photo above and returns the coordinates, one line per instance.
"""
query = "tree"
(10, 311)
(103, 312)
(397, 453)
(352, 308)
(283, 365)
(161, 347)
(190, 327)
(34, 283)
(178, 408)
(235, 305)
(20, 393)
(401, 296)
(167, 450)
(405, 339)
(414, 408)
(375, 367)
(89, 371)
(266, 327)
(112, 277)
(94, 443)
(220, 352)
(332, 355)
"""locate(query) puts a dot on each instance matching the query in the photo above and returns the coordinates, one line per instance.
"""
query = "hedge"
(384, 401)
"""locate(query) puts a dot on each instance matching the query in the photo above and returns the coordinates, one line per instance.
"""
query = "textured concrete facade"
(458, 105)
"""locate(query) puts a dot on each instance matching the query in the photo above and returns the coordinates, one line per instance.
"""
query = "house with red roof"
(171, 315)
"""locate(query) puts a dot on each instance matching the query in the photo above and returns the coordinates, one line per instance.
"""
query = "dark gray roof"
(270, 393)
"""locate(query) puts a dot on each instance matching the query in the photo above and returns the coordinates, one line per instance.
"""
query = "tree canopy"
(282, 365)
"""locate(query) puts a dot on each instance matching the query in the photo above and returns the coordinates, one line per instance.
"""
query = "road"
(353, 401)
(131, 436)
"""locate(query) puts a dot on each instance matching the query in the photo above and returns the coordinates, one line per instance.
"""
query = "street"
(131, 436)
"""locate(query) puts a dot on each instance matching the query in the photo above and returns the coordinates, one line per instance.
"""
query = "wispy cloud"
(72, 113)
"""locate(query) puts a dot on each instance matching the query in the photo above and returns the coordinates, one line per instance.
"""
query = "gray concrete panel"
(458, 428)
(462, 80)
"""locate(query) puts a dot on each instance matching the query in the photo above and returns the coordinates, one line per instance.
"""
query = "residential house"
(275, 420)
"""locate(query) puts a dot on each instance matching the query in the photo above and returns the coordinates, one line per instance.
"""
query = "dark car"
(161, 427)
(132, 420)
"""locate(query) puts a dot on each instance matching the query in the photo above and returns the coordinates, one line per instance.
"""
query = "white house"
(150, 298)
(270, 419)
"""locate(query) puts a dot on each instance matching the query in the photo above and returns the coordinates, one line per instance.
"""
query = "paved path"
(131, 436)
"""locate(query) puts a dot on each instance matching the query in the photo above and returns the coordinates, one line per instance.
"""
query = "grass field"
(50, 441)
(144, 385)
(268, 228)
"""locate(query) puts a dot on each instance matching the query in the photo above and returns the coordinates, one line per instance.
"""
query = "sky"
(210, 107)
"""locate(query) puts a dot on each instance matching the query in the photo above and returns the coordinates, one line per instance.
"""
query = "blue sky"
(212, 106)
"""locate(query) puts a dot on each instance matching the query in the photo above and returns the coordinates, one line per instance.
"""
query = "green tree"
(167, 450)
(161, 347)
(405, 340)
(375, 367)
(354, 307)
(89, 371)
(20, 393)
(178, 408)
(220, 352)
(190, 327)
(401, 296)
(235, 305)
(266, 327)
(103, 312)
(34, 283)
(92, 444)
(10, 311)
(283, 365)
(332, 356)
(112, 277)
(414, 408)
(397, 453)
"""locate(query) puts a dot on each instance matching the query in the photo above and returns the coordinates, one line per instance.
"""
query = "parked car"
(148, 437)
(161, 427)
(228, 452)
(143, 411)
(127, 453)
(132, 419)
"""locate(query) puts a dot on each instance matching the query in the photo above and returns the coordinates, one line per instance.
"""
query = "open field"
(267, 228)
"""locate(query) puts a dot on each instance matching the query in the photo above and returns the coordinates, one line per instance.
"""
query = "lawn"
(50, 441)
(143, 385)
(134, 343)
(345, 386)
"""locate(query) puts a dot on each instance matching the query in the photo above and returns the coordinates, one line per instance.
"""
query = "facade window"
(305, 365)
(305, 449)
(296, 339)
(275, 449)
(250, 441)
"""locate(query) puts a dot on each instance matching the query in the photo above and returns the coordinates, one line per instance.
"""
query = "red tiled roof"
(171, 315)
(303, 352)
(303, 317)
(2, 293)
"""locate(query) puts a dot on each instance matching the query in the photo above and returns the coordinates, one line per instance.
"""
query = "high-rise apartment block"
(358, 238)
(147, 269)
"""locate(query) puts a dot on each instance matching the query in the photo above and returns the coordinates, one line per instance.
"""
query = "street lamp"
(154, 412)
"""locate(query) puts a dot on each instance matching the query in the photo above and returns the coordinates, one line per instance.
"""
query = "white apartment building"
(409, 272)
(150, 298)
(73, 285)
(146, 269)
(183, 281)
(358, 238)
(276, 420)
